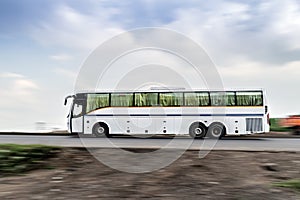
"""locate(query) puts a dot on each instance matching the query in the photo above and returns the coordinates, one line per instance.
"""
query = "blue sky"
(44, 43)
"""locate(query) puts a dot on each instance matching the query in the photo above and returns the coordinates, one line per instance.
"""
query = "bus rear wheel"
(197, 130)
(101, 130)
(216, 131)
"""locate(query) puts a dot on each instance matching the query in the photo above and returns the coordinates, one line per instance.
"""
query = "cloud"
(19, 101)
(253, 43)
(23, 87)
(16, 89)
(72, 29)
(265, 31)
(61, 57)
(285, 21)
(67, 73)
(10, 75)
(257, 70)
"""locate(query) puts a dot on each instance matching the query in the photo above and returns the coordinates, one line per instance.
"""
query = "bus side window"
(249, 98)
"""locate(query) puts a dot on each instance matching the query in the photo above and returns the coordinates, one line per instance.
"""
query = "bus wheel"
(296, 130)
(197, 130)
(216, 131)
(100, 130)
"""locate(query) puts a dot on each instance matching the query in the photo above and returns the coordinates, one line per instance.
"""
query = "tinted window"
(122, 100)
(95, 101)
(146, 99)
(171, 99)
(196, 99)
(222, 98)
(249, 98)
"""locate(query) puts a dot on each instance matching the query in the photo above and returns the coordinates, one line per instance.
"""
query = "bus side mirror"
(66, 99)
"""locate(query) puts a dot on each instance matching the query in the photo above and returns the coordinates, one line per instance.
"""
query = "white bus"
(198, 113)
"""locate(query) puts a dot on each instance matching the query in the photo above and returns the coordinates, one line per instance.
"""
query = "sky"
(43, 44)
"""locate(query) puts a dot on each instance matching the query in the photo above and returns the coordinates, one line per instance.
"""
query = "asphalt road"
(228, 143)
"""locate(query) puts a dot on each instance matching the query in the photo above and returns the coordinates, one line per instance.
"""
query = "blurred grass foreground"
(16, 159)
(293, 184)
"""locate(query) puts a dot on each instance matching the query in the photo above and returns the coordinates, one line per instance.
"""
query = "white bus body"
(232, 112)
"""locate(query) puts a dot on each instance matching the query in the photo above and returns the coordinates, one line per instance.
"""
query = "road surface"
(237, 143)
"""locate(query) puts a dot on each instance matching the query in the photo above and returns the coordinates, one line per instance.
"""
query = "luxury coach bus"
(198, 113)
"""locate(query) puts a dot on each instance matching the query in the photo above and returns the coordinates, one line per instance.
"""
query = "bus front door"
(77, 117)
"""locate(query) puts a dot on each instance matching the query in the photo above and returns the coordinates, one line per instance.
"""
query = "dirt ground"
(75, 174)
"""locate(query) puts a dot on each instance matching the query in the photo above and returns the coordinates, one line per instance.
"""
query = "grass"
(16, 159)
(293, 184)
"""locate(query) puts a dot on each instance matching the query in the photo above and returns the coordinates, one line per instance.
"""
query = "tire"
(74, 134)
(296, 130)
(216, 131)
(101, 130)
(197, 130)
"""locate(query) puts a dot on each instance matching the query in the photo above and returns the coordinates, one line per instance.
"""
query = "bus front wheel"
(197, 130)
(100, 130)
(216, 131)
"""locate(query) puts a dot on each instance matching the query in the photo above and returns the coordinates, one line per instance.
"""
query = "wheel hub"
(100, 130)
(216, 131)
(198, 131)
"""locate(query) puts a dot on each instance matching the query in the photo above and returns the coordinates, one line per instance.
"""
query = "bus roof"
(171, 90)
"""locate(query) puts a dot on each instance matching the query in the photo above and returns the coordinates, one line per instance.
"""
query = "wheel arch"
(198, 122)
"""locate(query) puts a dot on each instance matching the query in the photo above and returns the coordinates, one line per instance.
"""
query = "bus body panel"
(237, 120)
(171, 120)
(77, 125)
